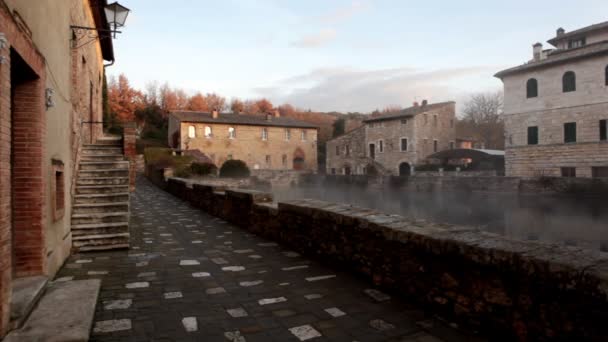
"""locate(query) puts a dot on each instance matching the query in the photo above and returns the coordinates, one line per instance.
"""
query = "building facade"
(263, 142)
(556, 107)
(395, 142)
(50, 83)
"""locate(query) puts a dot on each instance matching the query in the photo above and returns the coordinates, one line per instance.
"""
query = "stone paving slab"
(193, 277)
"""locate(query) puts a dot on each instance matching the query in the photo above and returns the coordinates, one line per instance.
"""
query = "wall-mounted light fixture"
(116, 16)
(48, 95)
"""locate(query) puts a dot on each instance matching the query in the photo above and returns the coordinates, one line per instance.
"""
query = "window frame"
(603, 130)
(569, 83)
(58, 194)
(264, 134)
(210, 134)
(287, 134)
(435, 145)
(303, 136)
(606, 76)
(566, 133)
(401, 144)
(568, 171)
(536, 135)
(231, 132)
(191, 131)
(380, 145)
(531, 88)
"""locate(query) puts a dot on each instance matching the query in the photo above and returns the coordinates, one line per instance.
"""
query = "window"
(452, 145)
(287, 134)
(435, 120)
(569, 172)
(191, 132)
(426, 119)
(569, 82)
(333, 171)
(570, 132)
(606, 75)
(599, 172)
(208, 132)
(404, 121)
(284, 160)
(533, 135)
(603, 130)
(403, 144)
(303, 135)
(337, 150)
(230, 157)
(268, 159)
(451, 123)
(231, 133)
(532, 88)
(435, 145)
(264, 133)
(347, 150)
(380, 146)
(58, 190)
(576, 43)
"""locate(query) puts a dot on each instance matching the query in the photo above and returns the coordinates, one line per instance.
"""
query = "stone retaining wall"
(507, 289)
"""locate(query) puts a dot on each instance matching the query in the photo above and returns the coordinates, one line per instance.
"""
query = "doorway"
(372, 151)
(405, 169)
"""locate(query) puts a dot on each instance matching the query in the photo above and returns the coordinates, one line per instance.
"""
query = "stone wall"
(512, 289)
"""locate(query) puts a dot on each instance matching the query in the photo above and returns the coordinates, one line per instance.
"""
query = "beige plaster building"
(395, 142)
(556, 107)
(51, 80)
(263, 142)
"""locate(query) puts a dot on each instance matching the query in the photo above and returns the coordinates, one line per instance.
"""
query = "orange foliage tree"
(123, 99)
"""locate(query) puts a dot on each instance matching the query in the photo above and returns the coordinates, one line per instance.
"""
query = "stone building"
(263, 142)
(395, 142)
(556, 107)
(51, 80)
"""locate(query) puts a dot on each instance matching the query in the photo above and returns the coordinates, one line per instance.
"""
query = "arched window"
(606, 75)
(231, 133)
(191, 132)
(532, 88)
(208, 132)
(569, 82)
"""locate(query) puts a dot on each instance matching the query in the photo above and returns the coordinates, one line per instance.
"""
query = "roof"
(409, 112)
(461, 153)
(559, 57)
(241, 119)
(572, 34)
(101, 22)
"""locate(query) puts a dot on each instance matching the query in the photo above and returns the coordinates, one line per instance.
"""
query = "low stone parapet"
(511, 289)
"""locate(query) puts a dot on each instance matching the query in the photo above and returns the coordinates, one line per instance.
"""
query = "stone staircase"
(100, 210)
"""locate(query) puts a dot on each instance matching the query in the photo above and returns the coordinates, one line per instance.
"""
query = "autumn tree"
(198, 102)
(237, 106)
(251, 107)
(123, 99)
(216, 102)
(264, 105)
(287, 110)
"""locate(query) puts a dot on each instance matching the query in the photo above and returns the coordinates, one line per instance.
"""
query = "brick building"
(50, 82)
(263, 142)
(556, 107)
(393, 143)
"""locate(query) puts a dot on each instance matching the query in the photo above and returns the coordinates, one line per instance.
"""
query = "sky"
(338, 55)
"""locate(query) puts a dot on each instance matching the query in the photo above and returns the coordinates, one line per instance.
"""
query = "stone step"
(85, 238)
(114, 141)
(26, 293)
(90, 208)
(102, 181)
(101, 157)
(103, 247)
(87, 226)
(104, 165)
(92, 150)
(65, 313)
(101, 198)
(103, 173)
(107, 241)
(98, 218)
(101, 189)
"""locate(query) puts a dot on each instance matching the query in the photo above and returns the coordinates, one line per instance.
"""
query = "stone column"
(130, 152)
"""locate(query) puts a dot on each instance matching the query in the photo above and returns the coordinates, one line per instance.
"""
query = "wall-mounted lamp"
(116, 16)
(48, 95)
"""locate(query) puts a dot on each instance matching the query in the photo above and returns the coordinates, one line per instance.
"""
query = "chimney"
(415, 104)
(277, 114)
(537, 51)
(424, 103)
(214, 114)
(561, 31)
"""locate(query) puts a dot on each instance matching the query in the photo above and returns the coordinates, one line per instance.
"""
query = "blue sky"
(339, 55)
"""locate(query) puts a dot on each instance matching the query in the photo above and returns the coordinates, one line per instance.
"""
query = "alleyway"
(192, 277)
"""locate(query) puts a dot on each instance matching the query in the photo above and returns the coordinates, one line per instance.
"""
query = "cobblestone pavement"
(193, 277)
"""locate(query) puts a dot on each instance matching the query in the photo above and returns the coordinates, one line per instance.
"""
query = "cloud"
(343, 13)
(348, 89)
(315, 40)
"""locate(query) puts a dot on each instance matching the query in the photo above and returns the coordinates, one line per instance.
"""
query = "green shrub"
(182, 171)
(152, 154)
(162, 158)
(234, 169)
(203, 169)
